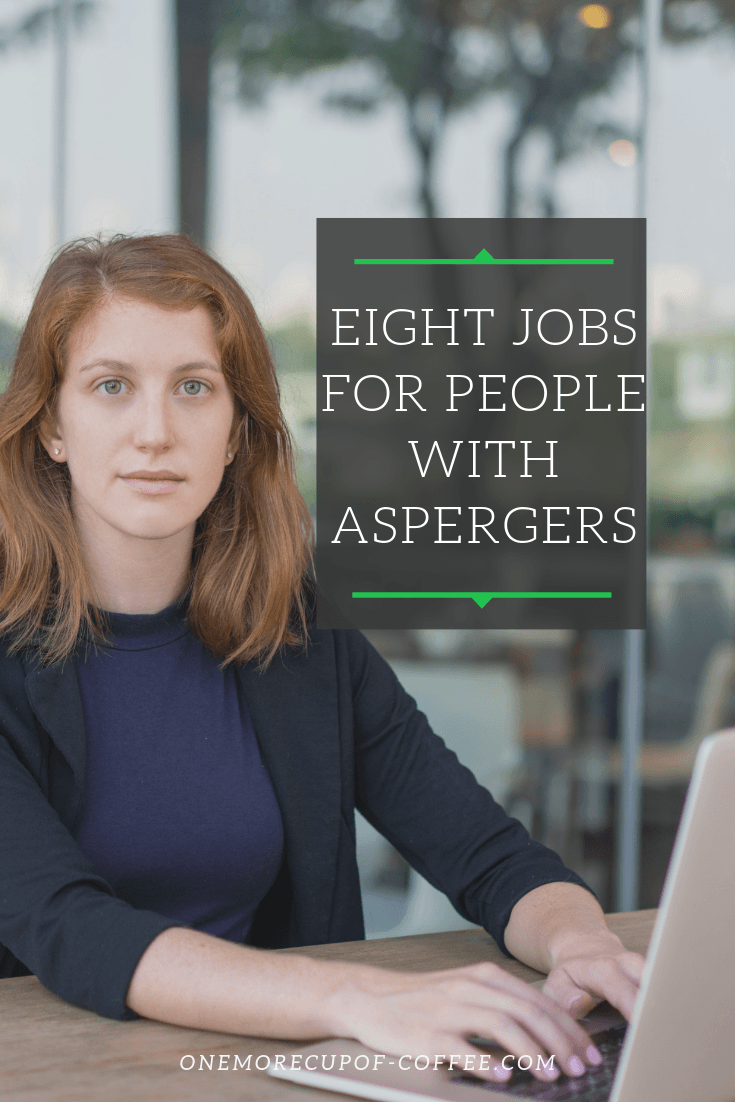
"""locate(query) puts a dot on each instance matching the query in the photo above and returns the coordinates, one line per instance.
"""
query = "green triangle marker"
(483, 257)
(482, 599)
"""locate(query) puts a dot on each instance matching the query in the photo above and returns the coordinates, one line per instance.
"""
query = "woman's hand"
(436, 1014)
(560, 929)
(202, 982)
(589, 969)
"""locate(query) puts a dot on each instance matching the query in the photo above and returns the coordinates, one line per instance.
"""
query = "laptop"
(680, 1044)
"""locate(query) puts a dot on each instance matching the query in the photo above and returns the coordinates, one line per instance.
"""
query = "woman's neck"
(133, 575)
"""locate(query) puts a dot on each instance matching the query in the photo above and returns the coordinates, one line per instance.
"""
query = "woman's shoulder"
(15, 665)
(327, 639)
(19, 728)
(11, 653)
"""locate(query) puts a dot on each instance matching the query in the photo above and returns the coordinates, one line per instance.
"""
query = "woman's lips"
(164, 482)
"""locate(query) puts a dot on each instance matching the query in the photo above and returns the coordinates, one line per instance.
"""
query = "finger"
(492, 975)
(588, 978)
(508, 1032)
(633, 964)
(604, 978)
(616, 983)
(569, 1044)
(540, 998)
(515, 1022)
(569, 995)
(577, 1040)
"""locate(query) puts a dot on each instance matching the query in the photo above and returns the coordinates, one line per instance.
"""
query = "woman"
(181, 752)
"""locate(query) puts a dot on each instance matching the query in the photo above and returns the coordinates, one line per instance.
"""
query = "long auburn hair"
(253, 543)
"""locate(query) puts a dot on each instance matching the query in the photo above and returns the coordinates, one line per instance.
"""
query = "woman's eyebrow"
(121, 365)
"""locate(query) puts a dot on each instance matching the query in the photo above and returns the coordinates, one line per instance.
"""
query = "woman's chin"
(157, 528)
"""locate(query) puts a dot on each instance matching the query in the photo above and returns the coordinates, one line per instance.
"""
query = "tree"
(34, 25)
(437, 56)
(556, 63)
(405, 51)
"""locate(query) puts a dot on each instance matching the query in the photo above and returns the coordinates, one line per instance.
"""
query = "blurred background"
(242, 121)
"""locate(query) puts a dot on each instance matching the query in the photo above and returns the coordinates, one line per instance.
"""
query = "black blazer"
(336, 732)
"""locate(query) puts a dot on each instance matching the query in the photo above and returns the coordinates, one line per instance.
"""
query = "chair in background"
(665, 763)
(539, 784)
(595, 766)
(684, 640)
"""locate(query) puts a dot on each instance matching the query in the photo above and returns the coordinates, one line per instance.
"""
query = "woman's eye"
(192, 386)
(112, 386)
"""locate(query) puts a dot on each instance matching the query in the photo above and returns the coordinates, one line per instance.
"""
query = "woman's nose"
(153, 427)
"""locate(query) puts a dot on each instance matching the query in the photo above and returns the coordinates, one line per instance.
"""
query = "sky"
(276, 169)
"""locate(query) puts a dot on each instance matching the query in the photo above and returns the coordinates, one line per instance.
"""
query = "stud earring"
(56, 451)
(229, 455)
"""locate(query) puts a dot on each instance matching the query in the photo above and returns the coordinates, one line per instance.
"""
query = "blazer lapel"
(56, 701)
(293, 705)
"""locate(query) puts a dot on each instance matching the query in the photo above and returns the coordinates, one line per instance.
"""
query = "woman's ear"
(50, 437)
(234, 440)
(231, 449)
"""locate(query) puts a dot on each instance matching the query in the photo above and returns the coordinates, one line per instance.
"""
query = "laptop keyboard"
(594, 1086)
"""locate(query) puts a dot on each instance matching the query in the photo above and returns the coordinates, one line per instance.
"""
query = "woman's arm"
(202, 982)
(450, 829)
(560, 929)
(413, 789)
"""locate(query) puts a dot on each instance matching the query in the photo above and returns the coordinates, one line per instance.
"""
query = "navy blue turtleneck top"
(180, 815)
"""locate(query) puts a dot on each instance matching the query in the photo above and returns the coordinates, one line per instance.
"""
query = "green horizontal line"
(483, 257)
(480, 598)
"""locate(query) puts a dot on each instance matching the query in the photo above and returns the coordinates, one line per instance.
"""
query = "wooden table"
(53, 1052)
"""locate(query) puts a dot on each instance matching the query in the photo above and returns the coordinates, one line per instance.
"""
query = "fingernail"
(500, 1072)
(576, 1067)
(552, 1073)
(593, 1055)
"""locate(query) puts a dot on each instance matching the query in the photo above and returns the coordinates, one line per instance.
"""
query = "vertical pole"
(195, 27)
(634, 666)
(629, 792)
(62, 91)
(651, 22)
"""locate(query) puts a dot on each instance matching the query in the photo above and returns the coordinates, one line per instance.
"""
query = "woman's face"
(144, 420)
